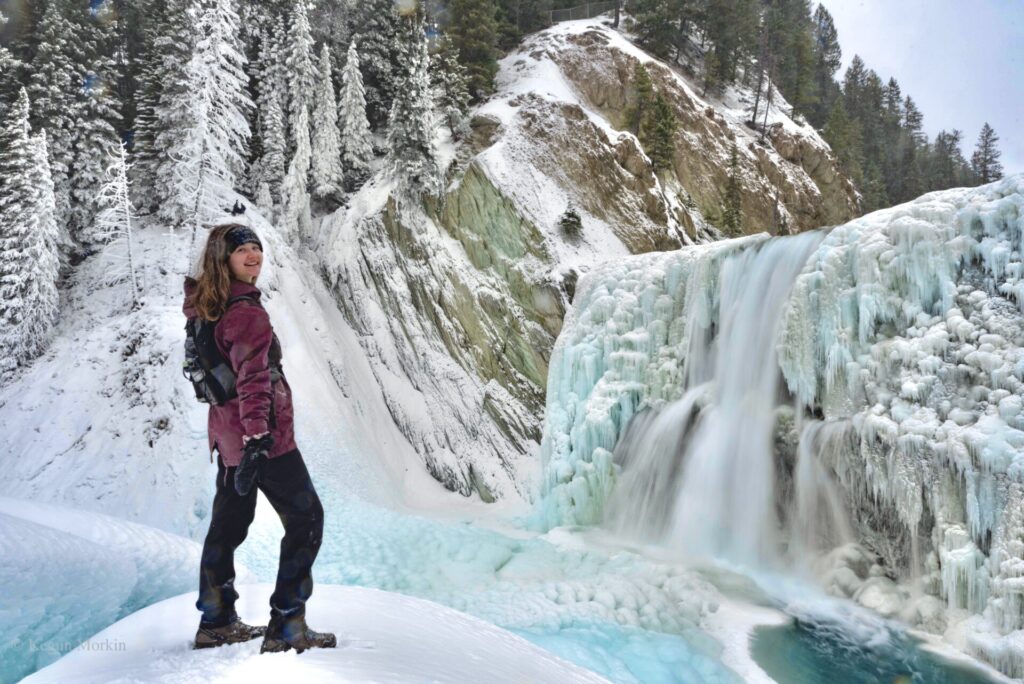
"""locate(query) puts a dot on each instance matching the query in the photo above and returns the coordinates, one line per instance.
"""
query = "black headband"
(239, 235)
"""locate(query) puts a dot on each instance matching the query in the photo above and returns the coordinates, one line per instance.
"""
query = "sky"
(962, 61)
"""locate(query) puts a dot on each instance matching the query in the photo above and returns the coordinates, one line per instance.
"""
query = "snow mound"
(382, 637)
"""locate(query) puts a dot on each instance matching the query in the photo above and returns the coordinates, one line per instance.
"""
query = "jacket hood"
(237, 288)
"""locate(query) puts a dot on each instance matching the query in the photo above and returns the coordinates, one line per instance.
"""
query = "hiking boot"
(234, 632)
(294, 633)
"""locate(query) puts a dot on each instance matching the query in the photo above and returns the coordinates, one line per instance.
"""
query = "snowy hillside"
(470, 291)
(899, 338)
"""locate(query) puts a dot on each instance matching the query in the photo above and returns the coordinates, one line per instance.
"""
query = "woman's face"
(245, 262)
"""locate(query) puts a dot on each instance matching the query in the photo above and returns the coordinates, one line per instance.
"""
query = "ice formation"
(65, 573)
(898, 338)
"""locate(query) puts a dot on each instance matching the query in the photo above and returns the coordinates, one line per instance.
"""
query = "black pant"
(285, 482)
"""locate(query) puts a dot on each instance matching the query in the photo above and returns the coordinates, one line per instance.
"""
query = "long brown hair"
(213, 284)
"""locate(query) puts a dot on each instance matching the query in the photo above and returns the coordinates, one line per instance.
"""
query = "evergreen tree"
(451, 94)
(275, 147)
(295, 213)
(116, 218)
(327, 175)
(732, 215)
(376, 28)
(637, 113)
(659, 134)
(169, 37)
(828, 59)
(661, 26)
(10, 67)
(357, 152)
(518, 17)
(985, 160)
(58, 242)
(95, 134)
(52, 89)
(411, 127)
(873, 194)
(731, 27)
(300, 68)
(209, 129)
(28, 294)
(800, 88)
(913, 121)
(853, 87)
(270, 163)
(948, 167)
(894, 139)
(843, 137)
(473, 30)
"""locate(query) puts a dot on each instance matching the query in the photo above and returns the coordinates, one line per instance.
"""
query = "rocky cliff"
(458, 302)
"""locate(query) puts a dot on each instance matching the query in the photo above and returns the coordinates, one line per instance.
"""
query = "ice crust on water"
(905, 323)
(66, 573)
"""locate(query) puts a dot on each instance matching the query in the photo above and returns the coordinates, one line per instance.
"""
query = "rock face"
(790, 175)
(459, 301)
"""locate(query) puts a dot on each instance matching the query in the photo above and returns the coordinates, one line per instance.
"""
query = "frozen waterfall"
(712, 479)
(898, 423)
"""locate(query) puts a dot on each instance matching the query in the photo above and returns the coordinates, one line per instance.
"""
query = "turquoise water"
(807, 653)
(630, 618)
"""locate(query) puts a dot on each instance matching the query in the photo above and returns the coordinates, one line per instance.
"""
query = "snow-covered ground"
(382, 637)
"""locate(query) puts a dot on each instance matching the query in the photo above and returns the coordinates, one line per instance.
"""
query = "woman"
(253, 433)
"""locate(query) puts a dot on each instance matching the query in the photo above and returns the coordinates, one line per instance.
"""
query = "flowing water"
(699, 475)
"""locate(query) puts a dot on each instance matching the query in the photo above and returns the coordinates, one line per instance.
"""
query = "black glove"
(247, 471)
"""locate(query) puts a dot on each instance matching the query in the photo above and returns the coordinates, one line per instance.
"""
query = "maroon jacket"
(245, 337)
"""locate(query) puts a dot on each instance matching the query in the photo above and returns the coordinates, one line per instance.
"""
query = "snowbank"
(382, 637)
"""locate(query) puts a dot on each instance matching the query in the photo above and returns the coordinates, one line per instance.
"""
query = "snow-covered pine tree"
(52, 89)
(28, 293)
(411, 127)
(275, 147)
(10, 67)
(295, 214)
(269, 168)
(451, 92)
(210, 158)
(116, 217)
(327, 178)
(357, 150)
(58, 242)
(376, 28)
(300, 68)
(95, 133)
(160, 118)
(265, 201)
